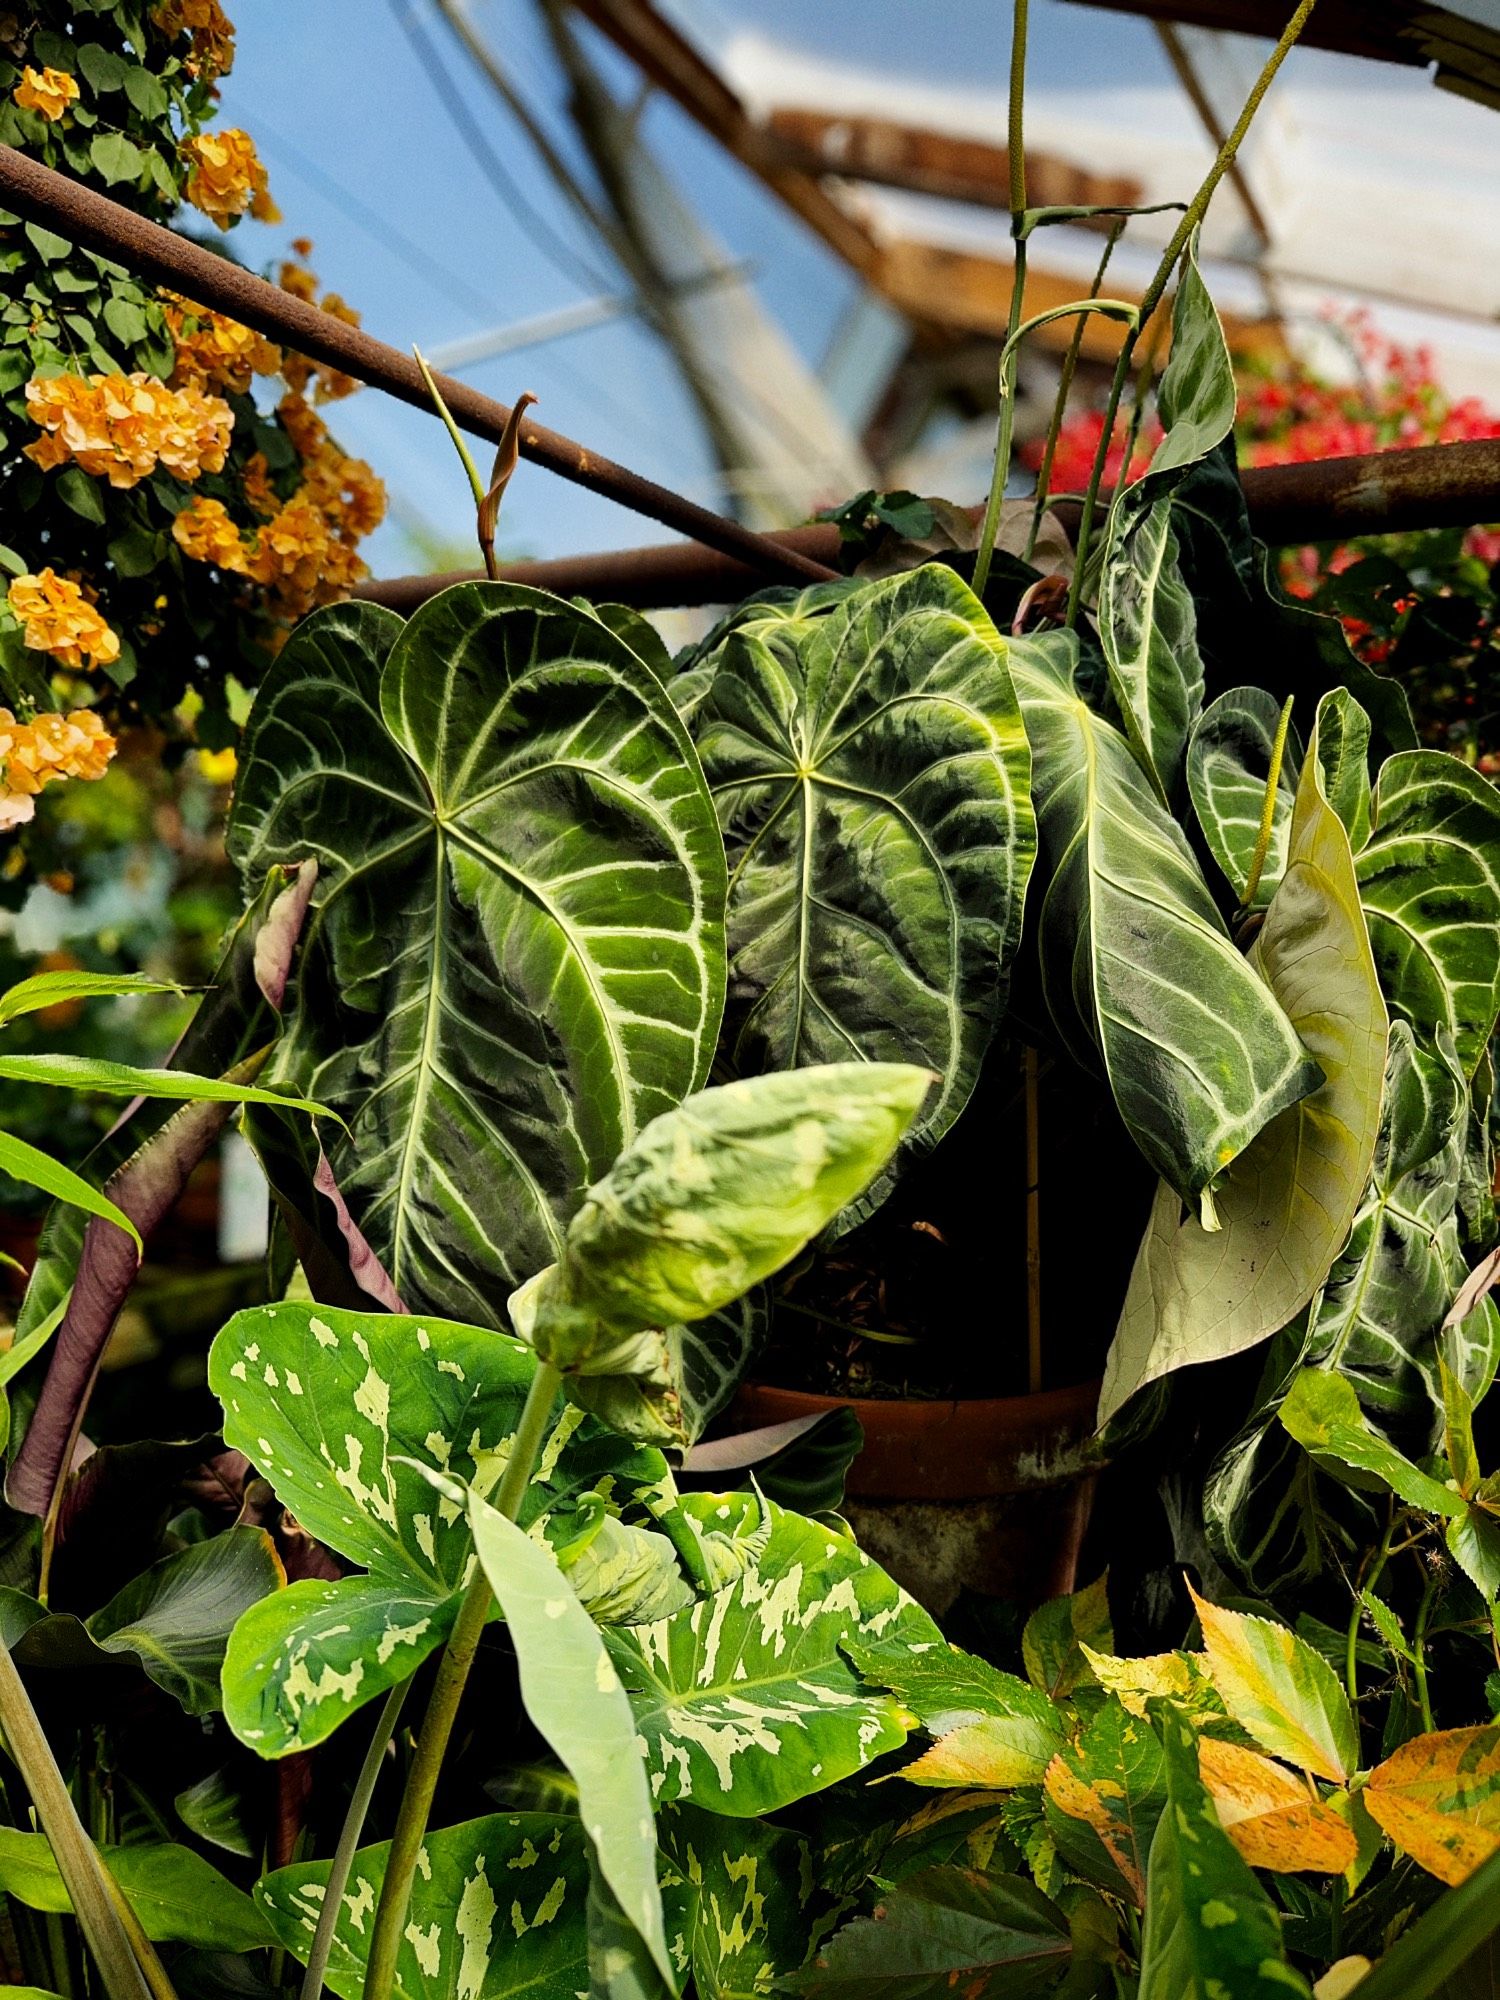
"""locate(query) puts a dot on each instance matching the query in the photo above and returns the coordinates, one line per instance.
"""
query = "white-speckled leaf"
(745, 1700)
(1286, 1206)
(573, 1696)
(515, 955)
(497, 1912)
(329, 1405)
(750, 1904)
(1141, 977)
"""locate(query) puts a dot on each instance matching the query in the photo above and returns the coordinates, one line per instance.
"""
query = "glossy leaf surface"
(1228, 765)
(871, 774)
(1139, 972)
(515, 950)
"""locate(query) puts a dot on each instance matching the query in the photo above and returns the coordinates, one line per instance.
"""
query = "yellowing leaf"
(1279, 1689)
(1112, 1781)
(1341, 1978)
(1137, 1681)
(1438, 1797)
(1272, 1819)
(977, 1753)
(1285, 1205)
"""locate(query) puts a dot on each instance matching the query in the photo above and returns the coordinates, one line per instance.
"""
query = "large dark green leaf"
(331, 1407)
(871, 774)
(1429, 876)
(1141, 977)
(1147, 621)
(1284, 1207)
(1229, 762)
(497, 1910)
(1211, 1932)
(515, 954)
(176, 1616)
(945, 1931)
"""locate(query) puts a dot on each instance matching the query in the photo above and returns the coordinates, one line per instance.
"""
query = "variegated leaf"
(1430, 879)
(745, 1700)
(1105, 1793)
(330, 1406)
(1269, 1815)
(1285, 1207)
(866, 754)
(497, 1912)
(951, 1692)
(1438, 1797)
(752, 1909)
(515, 953)
(1058, 1634)
(1139, 972)
(1279, 1689)
(1344, 757)
(1228, 765)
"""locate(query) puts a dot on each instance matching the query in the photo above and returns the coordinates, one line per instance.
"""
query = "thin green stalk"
(1156, 290)
(77, 1859)
(349, 1839)
(1419, 1651)
(1065, 389)
(1016, 154)
(1268, 807)
(475, 482)
(447, 1692)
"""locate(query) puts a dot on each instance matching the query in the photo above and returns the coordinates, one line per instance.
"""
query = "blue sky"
(366, 159)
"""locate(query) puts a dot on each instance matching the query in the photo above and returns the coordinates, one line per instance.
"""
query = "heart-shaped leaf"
(497, 1911)
(871, 773)
(1140, 974)
(515, 953)
(330, 1406)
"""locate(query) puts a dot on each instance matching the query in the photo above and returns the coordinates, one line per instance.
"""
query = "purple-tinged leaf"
(276, 940)
(365, 1267)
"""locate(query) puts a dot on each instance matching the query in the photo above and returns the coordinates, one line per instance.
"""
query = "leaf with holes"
(1105, 1793)
(1139, 973)
(497, 1911)
(745, 1700)
(515, 950)
(1228, 765)
(871, 774)
(329, 1405)
(1285, 1207)
(1438, 1797)
(1429, 876)
(1281, 1690)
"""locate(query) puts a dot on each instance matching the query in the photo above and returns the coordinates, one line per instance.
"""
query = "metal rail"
(1329, 499)
(86, 217)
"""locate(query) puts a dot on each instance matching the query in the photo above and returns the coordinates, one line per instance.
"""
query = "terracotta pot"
(992, 1494)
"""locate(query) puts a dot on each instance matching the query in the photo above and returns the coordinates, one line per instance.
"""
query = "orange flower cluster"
(49, 91)
(33, 754)
(226, 178)
(297, 370)
(120, 427)
(305, 554)
(211, 30)
(214, 351)
(56, 617)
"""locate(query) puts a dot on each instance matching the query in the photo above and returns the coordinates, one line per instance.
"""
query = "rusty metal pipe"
(1330, 499)
(160, 255)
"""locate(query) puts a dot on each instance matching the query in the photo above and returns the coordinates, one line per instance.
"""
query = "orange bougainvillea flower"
(120, 427)
(206, 532)
(49, 91)
(214, 351)
(36, 753)
(297, 369)
(226, 178)
(57, 618)
(210, 28)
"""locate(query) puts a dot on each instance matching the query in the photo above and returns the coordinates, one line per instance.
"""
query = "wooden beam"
(1410, 32)
(943, 164)
(957, 289)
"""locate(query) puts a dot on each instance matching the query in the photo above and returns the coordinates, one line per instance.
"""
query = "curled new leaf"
(715, 1196)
